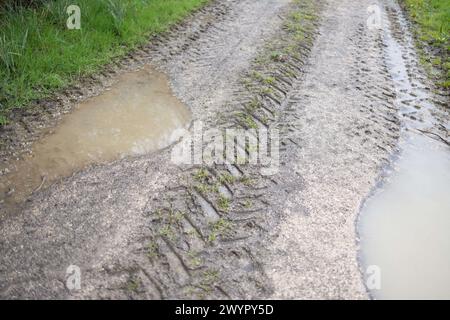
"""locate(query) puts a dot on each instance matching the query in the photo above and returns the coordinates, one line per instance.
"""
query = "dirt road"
(143, 227)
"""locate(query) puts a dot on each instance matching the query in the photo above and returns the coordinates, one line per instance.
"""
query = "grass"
(194, 259)
(223, 203)
(39, 54)
(219, 228)
(227, 178)
(432, 18)
(167, 232)
(201, 174)
(248, 121)
(152, 250)
(133, 285)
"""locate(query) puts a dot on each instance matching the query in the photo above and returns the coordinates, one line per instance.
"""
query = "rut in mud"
(143, 227)
(404, 224)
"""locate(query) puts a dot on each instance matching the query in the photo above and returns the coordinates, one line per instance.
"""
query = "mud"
(112, 220)
(346, 125)
(137, 115)
(403, 225)
(145, 228)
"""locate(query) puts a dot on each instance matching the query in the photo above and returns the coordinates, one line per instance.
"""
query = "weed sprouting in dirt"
(219, 228)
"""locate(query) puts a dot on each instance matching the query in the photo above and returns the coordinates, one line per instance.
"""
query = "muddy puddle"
(137, 115)
(404, 226)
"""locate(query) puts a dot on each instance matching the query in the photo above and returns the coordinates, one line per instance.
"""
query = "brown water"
(404, 226)
(137, 115)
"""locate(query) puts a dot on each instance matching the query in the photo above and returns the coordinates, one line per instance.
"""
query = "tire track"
(347, 126)
(105, 219)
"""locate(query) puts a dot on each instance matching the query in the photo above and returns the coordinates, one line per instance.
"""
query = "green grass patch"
(219, 228)
(39, 54)
(432, 18)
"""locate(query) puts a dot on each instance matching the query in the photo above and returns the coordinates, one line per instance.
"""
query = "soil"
(145, 228)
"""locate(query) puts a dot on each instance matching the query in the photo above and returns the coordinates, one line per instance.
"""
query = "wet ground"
(404, 224)
(141, 227)
(137, 115)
